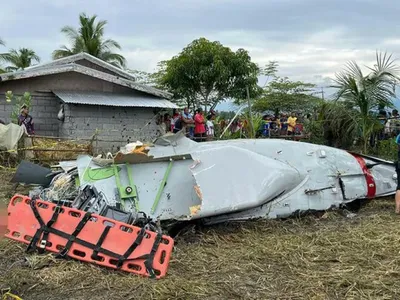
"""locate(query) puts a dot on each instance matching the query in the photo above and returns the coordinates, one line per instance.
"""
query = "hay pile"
(58, 150)
(328, 257)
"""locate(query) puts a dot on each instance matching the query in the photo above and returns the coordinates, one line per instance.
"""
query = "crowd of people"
(203, 127)
(280, 125)
(196, 126)
(391, 124)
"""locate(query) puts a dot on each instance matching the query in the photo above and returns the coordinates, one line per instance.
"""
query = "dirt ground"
(328, 257)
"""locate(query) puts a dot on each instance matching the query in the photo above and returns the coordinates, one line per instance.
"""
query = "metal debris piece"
(30, 173)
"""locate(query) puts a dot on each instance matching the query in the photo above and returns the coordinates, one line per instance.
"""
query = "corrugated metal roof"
(111, 99)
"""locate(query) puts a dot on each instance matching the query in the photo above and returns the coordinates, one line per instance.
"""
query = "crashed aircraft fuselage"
(237, 179)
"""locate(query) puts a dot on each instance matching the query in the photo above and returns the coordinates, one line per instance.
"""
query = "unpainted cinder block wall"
(116, 126)
(45, 107)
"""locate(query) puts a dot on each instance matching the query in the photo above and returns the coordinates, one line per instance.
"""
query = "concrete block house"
(94, 96)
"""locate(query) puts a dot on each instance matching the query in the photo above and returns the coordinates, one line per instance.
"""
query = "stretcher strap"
(132, 248)
(44, 228)
(72, 238)
(100, 242)
(149, 261)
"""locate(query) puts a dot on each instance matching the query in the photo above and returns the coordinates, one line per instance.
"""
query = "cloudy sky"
(311, 39)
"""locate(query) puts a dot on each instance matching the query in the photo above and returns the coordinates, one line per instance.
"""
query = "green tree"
(205, 73)
(366, 93)
(18, 101)
(19, 59)
(89, 38)
(270, 71)
(282, 94)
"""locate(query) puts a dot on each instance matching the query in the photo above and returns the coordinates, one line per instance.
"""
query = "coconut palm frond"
(19, 59)
(364, 93)
(89, 38)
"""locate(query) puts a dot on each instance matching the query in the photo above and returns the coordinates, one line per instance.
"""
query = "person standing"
(175, 117)
(292, 121)
(25, 119)
(210, 127)
(199, 126)
(397, 196)
(188, 122)
(284, 126)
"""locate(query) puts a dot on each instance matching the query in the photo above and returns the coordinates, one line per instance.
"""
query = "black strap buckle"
(132, 248)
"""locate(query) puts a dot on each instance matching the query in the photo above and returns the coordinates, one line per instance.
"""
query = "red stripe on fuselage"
(371, 187)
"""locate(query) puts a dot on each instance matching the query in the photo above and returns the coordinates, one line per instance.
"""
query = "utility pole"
(250, 114)
(322, 92)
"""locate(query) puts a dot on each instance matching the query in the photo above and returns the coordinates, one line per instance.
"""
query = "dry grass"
(330, 257)
(58, 150)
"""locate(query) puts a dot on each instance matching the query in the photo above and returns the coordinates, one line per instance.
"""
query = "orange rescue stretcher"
(88, 237)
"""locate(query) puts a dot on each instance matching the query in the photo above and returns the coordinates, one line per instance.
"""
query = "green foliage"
(285, 95)
(19, 59)
(315, 129)
(206, 72)
(270, 71)
(387, 149)
(18, 101)
(363, 93)
(226, 115)
(89, 38)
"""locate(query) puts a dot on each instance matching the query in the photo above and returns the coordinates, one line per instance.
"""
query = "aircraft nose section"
(231, 179)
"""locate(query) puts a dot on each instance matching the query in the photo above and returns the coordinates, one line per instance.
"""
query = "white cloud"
(311, 39)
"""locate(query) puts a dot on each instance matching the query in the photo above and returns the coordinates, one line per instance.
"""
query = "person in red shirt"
(199, 126)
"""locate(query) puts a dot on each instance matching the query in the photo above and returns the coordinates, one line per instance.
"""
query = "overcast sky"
(311, 39)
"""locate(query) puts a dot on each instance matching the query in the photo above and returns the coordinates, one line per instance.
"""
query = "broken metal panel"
(30, 173)
(232, 179)
(176, 198)
(68, 165)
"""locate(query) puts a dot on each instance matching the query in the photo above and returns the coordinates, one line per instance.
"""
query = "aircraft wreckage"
(179, 179)
(110, 211)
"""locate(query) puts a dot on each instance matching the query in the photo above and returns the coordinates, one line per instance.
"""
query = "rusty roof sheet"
(111, 99)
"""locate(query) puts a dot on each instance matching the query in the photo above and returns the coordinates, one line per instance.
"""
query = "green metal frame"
(161, 188)
(128, 192)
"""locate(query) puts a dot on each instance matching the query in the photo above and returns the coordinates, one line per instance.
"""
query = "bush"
(387, 149)
(18, 101)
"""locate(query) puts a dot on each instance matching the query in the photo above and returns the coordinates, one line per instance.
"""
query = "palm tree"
(89, 38)
(20, 59)
(366, 93)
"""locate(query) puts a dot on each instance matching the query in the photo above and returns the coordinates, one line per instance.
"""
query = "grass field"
(328, 257)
